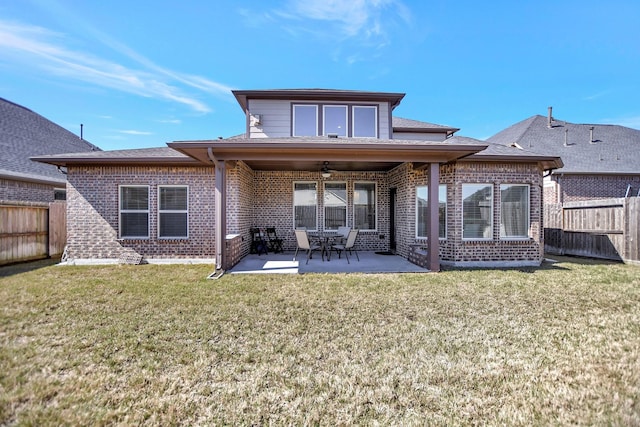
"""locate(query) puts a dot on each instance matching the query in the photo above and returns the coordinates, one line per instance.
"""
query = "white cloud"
(38, 47)
(355, 18)
(135, 132)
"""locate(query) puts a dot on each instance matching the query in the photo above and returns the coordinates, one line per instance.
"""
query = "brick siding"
(265, 199)
(577, 188)
(92, 210)
(26, 191)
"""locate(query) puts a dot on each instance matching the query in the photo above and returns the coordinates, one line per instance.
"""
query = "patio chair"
(275, 243)
(258, 244)
(348, 246)
(303, 243)
(341, 234)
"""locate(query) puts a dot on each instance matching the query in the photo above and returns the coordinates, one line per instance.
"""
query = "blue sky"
(142, 73)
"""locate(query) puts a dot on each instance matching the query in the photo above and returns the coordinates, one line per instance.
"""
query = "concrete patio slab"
(283, 263)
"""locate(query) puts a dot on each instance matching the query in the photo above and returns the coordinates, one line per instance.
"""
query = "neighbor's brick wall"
(92, 212)
(26, 191)
(273, 204)
(588, 187)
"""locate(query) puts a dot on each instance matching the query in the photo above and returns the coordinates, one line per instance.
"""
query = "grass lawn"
(161, 345)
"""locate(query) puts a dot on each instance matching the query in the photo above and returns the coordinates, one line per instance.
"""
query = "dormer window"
(357, 121)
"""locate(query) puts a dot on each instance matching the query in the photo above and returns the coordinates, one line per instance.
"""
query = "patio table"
(324, 239)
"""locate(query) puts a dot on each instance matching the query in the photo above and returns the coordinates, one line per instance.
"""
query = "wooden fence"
(608, 229)
(30, 231)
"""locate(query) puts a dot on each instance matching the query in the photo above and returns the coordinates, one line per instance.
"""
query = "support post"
(220, 214)
(433, 257)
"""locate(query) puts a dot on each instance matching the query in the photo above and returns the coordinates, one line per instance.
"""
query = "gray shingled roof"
(399, 122)
(154, 155)
(24, 134)
(615, 149)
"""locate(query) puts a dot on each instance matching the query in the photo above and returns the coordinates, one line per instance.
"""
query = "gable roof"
(24, 134)
(614, 150)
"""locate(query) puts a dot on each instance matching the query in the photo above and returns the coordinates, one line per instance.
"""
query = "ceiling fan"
(325, 171)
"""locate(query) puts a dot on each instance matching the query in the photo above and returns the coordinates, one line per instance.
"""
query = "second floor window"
(357, 121)
(305, 120)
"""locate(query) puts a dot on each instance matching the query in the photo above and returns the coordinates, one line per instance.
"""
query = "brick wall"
(26, 191)
(454, 249)
(92, 210)
(576, 188)
(273, 204)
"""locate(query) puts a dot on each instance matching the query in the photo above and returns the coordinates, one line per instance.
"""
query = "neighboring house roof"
(24, 134)
(318, 95)
(614, 149)
(407, 125)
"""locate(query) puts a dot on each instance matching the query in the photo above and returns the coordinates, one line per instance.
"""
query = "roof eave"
(66, 161)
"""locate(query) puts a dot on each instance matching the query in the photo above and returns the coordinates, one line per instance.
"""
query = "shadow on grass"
(23, 267)
(551, 262)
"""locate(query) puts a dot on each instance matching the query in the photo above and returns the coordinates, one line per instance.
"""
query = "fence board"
(597, 228)
(29, 232)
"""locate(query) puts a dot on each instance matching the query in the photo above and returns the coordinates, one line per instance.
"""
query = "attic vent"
(516, 145)
(550, 118)
(591, 140)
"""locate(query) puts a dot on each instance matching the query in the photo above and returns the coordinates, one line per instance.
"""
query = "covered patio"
(283, 263)
(311, 155)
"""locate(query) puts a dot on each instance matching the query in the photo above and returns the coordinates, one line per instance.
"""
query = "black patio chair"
(258, 244)
(275, 243)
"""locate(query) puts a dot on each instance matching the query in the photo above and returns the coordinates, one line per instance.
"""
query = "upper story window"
(365, 122)
(357, 121)
(335, 120)
(305, 120)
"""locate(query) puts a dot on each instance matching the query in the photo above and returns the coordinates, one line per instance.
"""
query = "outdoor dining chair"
(258, 244)
(303, 243)
(275, 243)
(348, 246)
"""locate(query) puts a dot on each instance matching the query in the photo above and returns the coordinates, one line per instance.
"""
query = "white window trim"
(293, 112)
(523, 237)
(375, 203)
(173, 211)
(493, 196)
(324, 206)
(121, 211)
(293, 188)
(446, 209)
(353, 121)
(346, 119)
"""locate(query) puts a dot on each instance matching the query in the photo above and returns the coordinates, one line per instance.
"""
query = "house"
(600, 161)
(313, 158)
(24, 134)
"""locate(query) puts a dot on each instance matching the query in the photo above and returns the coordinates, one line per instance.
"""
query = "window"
(335, 205)
(134, 212)
(305, 205)
(514, 211)
(477, 211)
(422, 196)
(59, 194)
(172, 212)
(364, 205)
(335, 120)
(305, 120)
(365, 122)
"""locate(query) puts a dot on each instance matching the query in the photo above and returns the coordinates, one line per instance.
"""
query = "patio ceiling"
(309, 154)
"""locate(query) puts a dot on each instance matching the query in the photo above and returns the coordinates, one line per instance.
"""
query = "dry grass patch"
(161, 345)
